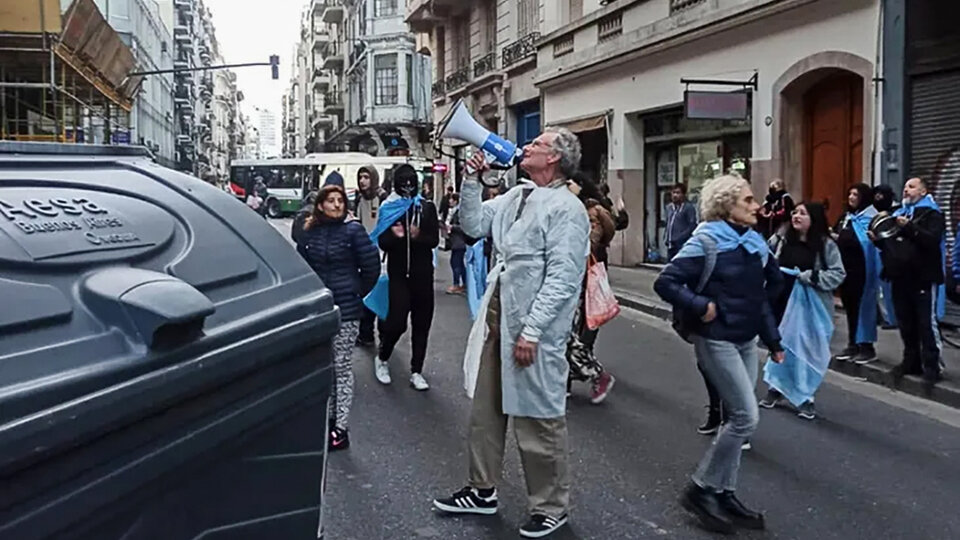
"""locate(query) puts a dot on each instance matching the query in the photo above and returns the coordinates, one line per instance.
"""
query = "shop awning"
(581, 124)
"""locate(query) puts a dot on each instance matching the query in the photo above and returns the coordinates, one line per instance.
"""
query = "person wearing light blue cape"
(811, 263)
(914, 264)
(861, 288)
(725, 317)
(407, 231)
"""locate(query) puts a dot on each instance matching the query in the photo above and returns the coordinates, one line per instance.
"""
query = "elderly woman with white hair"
(725, 307)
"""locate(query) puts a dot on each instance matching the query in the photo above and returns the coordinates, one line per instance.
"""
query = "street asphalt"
(875, 464)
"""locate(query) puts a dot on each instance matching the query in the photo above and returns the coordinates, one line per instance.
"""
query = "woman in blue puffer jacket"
(726, 317)
(348, 263)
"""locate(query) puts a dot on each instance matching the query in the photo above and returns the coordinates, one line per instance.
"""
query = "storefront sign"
(716, 105)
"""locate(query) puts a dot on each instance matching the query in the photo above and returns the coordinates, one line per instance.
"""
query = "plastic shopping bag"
(601, 303)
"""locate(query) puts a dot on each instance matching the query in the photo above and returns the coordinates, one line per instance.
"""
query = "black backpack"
(683, 320)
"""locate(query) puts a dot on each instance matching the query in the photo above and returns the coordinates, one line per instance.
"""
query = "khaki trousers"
(542, 442)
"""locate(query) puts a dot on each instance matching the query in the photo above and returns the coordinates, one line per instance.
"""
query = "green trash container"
(165, 360)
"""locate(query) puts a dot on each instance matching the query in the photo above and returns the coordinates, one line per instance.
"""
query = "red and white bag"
(601, 303)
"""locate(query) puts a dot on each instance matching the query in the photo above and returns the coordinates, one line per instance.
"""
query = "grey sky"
(252, 30)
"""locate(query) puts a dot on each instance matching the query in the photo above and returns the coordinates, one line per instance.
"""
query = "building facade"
(773, 88)
(200, 112)
(141, 27)
(367, 87)
(921, 103)
(484, 53)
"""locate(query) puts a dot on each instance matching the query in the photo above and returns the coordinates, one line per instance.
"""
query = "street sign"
(704, 105)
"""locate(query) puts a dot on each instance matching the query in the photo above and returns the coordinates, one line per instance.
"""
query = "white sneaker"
(382, 370)
(418, 382)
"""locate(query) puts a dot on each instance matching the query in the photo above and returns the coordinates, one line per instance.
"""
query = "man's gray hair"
(568, 146)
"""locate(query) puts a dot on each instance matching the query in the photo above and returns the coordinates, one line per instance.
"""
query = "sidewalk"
(634, 289)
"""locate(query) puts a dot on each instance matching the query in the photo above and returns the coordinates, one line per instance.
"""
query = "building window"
(409, 79)
(383, 8)
(385, 79)
(490, 30)
(527, 17)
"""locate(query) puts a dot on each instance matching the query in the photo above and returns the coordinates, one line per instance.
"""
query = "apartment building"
(677, 91)
(371, 84)
(484, 52)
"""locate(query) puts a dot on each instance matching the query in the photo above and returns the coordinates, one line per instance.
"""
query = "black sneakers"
(847, 354)
(807, 411)
(541, 525)
(865, 355)
(339, 440)
(469, 501)
(771, 400)
(712, 424)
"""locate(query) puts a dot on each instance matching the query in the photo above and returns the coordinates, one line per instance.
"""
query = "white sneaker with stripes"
(468, 501)
(541, 525)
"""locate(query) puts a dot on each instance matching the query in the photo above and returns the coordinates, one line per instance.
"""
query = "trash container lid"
(116, 273)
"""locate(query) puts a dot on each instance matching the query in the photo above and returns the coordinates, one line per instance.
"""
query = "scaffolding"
(68, 85)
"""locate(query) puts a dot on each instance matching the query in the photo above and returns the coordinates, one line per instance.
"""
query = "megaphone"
(459, 124)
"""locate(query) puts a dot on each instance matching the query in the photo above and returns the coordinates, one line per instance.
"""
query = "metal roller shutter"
(935, 145)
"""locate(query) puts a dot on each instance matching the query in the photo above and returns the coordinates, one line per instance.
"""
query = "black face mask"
(773, 190)
(406, 188)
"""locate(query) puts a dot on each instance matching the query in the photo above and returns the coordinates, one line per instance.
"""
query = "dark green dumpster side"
(165, 361)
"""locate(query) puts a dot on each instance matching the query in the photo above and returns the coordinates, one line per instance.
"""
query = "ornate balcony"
(439, 89)
(680, 5)
(520, 49)
(484, 65)
(458, 79)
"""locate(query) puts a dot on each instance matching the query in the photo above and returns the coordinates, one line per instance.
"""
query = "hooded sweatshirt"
(367, 203)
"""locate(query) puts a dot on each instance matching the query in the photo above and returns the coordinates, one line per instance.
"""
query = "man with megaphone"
(542, 232)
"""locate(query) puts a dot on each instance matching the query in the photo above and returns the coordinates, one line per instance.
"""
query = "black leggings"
(409, 298)
(851, 294)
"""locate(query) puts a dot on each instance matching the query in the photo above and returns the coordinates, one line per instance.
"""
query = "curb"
(876, 372)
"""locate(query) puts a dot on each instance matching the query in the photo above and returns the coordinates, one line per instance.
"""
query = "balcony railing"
(680, 5)
(458, 79)
(610, 27)
(562, 47)
(485, 65)
(520, 49)
(439, 89)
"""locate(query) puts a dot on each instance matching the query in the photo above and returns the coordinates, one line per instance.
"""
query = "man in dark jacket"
(681, 220)
(913, 262)
(409, 245)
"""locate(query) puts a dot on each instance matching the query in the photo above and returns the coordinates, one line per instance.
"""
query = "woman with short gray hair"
(724, 316)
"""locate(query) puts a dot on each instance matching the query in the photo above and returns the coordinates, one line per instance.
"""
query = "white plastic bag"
(478, 336)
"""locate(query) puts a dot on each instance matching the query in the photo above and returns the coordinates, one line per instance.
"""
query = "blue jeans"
(459, 267)
(732, 369)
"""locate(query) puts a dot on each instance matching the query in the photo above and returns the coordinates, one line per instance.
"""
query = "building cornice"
(654, 38)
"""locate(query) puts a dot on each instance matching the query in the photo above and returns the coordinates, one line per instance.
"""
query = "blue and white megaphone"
(459, 124)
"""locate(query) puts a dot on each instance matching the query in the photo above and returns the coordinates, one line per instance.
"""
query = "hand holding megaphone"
(477, 164)
(495, 151)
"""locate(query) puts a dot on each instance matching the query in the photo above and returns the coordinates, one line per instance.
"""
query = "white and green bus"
(289, 180)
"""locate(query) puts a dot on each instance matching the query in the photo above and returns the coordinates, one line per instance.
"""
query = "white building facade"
(371, 84)
(796, 98)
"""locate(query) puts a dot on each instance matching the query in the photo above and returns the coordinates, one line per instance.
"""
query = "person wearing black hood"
(860, 288)
(409, 245)
(885, 200)
(776, 209)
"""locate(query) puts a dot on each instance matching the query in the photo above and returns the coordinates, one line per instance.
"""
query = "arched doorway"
(833, 145)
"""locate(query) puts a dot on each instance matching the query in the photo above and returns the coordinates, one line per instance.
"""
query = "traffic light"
(275, 66)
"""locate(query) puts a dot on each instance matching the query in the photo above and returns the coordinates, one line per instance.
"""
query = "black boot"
(712, 424)
(705, 504)
(740, 514)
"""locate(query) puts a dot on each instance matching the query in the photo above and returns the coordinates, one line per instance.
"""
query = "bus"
(289, 180)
